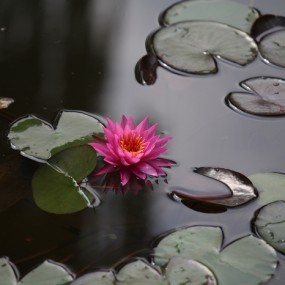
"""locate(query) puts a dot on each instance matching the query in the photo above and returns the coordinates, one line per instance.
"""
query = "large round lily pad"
(270, 224)
(190, 47)
(224, 11)
(7, 272)
(248, 260)
(39, 140)
(96, 278)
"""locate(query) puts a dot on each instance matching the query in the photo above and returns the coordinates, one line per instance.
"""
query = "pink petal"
(162, 162)
(142, 126)
(137, 172)
(150, 132)
(146, 168)
(100, 148)
(106, 169)
(111, 125)
(125, 175)
(124, 121)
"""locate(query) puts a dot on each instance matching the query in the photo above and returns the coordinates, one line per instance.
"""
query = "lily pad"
(7, 272)
(98, 278)
(270, 187)
(139, 272)
(241, 187)
(191, 47)
(183, 271)
(55, 184)
(266, 97)
(272, 48)
(248, 260)
(223, 11)
(48, 273)
(270, 224)
(39, 140)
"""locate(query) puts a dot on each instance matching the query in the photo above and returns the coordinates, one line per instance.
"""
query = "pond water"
(81, 55)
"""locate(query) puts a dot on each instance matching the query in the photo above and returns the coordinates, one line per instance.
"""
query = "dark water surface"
(81, 55)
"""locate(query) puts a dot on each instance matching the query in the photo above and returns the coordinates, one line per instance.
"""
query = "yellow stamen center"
(132, 143)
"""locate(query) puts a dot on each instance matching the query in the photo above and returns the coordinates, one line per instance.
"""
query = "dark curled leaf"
(145, 70)
(203, 207)
(265, 24)
(241, 187)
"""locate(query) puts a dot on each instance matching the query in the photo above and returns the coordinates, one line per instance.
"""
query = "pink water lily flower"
(133, 150)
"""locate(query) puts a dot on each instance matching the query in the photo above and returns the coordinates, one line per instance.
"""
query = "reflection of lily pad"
(55, 184)
(37, 139)
(270, 224)
(246, 261)
(272, 48)
(190, 47)
(223, 11)
(267, 97)
(270, 187)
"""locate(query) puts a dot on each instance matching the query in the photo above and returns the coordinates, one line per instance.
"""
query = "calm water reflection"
(81, 55)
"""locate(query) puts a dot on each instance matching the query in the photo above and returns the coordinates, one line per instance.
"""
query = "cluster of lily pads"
(66, 159)
(194, 34)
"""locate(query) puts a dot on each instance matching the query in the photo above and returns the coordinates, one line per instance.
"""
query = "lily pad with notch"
(191, 47)
(56, 187)
(240, 186)
(39, 140)
(270, 224)
(266, 97)
(269, 32)
(49, 272)
(248, 260)
(227, 12)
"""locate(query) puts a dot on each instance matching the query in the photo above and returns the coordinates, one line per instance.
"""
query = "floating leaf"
(183, 271)
(190, 47)
(55, 185)
(7, 272)
(270, 187)
(270, 224)
(267, 97)
(139, 272)
(5, 102)
(37, 139)
(47, 273)
(145, 69)
(98, 278)
(246, 261)
(226, 12)
(240, 186)
(272, 48)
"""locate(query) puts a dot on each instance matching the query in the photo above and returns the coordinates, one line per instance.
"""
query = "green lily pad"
(39, 140)
(55, 184)
(7, 272)
(272, 48)
(98, 278)
(139, 272)
(183, 271)
(191, 47)
(270, 187)
(266, 97)
(223, 11)
(48, 273)
(270, 224)
(248, 260)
